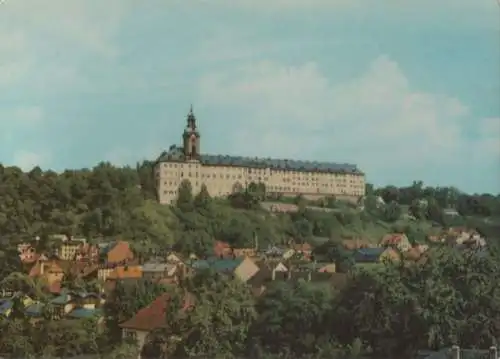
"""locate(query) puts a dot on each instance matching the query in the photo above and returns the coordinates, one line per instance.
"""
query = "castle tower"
(191, 138)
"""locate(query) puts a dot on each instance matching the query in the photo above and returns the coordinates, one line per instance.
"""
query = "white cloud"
(88, 23)
(26, 160)
(375, 120)
(39, 36)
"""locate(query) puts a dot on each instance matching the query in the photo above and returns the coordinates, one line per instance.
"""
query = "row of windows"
(265, 179)
(264, 172)
(294, 188)
(293, 184)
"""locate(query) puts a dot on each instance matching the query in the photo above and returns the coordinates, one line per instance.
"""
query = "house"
(174, 258)
(117, 252)
(63, 303)
(122, 273)
(50, 270)
(27, 253)
(413, 254)
(155, 271)
(397, 240)
(241, 268)
(326, 267)
(270, 266)
(288, 253)
(221, 249)
(244, 252)
(148, 319)
(265, 276)
(303, 249)
(6, 307)
(375, 255)
(126, 272)
(68, 249)
(274, 252)
(7, 304)
(356, 243)
(85, 313)
(83, 269)
(87, 252)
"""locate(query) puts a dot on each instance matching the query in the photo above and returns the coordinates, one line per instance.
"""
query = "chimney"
(42, 267)
(455, 352)
(289, 273)
(309, 276)
(273, 274)
(493, 353)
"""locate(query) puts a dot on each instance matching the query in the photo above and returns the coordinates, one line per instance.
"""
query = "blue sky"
(407, 90)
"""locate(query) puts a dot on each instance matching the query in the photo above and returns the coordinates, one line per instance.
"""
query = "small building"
(154, 271)
(241, 268)
(375, 255)
(50, 270)
(244, 252)
(148, 319)
(118, 252)
(397, 240)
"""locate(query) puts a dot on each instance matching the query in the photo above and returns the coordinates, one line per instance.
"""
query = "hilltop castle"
(222, 175)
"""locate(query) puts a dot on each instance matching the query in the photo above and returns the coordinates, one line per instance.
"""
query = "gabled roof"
(79, 313)
(220, 265)
(368, 254)
(35, 309)
(157, 267)
(62, 299)
(5, 305)
(149, 318)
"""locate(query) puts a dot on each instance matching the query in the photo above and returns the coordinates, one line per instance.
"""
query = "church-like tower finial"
(191, 137)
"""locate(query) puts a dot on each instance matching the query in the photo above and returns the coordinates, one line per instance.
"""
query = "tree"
(185, 197)
(202, 200)
(403, 308)
(218, 323)
(293, 318)
(334, 252)
(125, 300)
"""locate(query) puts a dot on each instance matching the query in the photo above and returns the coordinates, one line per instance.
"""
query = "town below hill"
(92, 264)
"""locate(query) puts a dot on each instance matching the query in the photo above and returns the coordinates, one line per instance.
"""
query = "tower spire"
(191, 109)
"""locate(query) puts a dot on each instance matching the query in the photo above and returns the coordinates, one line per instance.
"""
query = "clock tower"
(191, 138)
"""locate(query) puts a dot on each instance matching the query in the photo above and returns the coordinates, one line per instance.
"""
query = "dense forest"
(110, 202)
(454, 298)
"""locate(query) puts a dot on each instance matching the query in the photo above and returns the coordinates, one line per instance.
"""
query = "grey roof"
(156, 267)
(364, 255)
(175, 154)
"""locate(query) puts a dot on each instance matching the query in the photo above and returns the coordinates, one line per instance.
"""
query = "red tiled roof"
(120, 252)
(150, 317)
(221, 248)
(153, 316)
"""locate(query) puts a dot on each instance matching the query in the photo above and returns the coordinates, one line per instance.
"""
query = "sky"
(405, 89)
